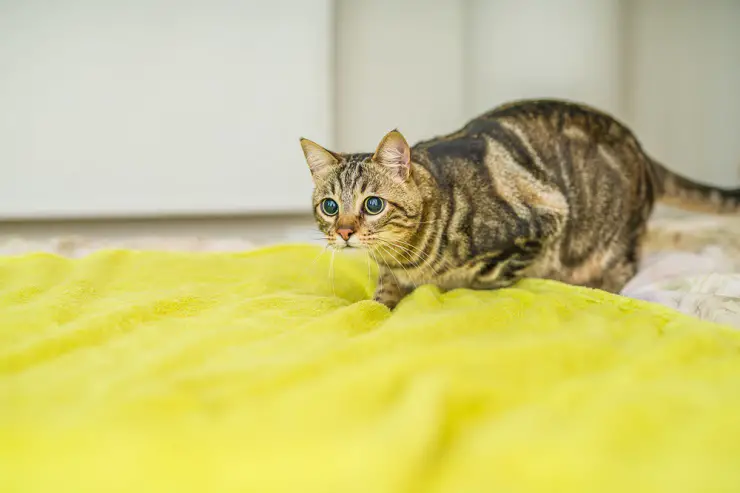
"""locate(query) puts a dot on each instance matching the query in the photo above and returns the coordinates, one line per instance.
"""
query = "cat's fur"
(539, 188)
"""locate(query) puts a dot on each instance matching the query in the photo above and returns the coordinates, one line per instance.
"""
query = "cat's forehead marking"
(347, 179)
(350, 176)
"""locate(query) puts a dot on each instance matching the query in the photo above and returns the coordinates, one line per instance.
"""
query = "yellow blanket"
(154, 372)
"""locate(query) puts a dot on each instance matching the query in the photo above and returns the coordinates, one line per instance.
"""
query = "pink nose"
(345, 233)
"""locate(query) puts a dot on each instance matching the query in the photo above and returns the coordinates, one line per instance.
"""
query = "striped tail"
(676, 191)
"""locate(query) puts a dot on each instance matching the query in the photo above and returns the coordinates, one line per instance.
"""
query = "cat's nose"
(345, 233)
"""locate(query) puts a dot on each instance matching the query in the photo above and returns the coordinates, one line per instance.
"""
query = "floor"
(76, 238)
(670, 231)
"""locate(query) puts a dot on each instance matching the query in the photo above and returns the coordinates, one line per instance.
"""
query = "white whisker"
(415, 251)
(390, 252)
(369, 270)
(315, 260)
(380, 278)
(389, 268)
(331, 273)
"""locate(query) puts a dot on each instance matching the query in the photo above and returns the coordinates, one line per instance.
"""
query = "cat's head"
(365, 200)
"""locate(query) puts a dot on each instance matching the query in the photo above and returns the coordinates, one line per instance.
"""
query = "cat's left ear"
(394, 153)
(319, 160)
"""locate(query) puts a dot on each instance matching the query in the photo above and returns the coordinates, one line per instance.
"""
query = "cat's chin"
(348, 246)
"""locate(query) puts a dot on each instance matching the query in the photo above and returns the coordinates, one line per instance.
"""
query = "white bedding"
(704, 284)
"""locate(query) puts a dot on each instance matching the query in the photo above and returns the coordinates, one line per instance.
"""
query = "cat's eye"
(374, 205)
(329, 207)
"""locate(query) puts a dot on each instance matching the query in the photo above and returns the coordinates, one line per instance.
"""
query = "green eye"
(374, 205)
(329, 207)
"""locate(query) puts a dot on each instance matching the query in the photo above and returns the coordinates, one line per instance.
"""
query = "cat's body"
(546, 189)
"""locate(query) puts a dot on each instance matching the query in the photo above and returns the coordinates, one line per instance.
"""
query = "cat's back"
(541, 135)
(538, 119)
(550, 119)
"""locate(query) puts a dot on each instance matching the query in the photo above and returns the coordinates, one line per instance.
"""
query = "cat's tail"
(676, 191)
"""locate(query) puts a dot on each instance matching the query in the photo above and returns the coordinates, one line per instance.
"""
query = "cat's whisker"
(380, 278)
(316, 259)
(423, 256)
(389, 268)
(331, 273)
(377, 241)
(400, 263)
(408, 255)
(369, 270)
(425, 265)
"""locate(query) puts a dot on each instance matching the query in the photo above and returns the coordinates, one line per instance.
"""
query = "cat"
(534, 188)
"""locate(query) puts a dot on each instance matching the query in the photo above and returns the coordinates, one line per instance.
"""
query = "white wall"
(670, 69)
(160, 107)
(399, 64)
(151, 107)
(429, 66)
(684, 84)
(543, 48)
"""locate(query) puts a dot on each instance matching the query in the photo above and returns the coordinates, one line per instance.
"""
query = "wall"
(684, 84)
(670, 69)
(160, 109)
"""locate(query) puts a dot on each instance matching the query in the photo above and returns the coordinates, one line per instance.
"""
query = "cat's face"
(365, 200)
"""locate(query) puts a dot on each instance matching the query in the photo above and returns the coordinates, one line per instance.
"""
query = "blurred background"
(164, 118)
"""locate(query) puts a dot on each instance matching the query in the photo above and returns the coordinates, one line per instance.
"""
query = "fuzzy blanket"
(258, 372)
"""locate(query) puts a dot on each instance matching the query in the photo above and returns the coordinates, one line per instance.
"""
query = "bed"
(258, 371)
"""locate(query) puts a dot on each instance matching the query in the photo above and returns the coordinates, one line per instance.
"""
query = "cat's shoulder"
(460, 145)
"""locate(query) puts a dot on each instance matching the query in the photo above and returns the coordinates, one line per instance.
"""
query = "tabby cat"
(539, 188)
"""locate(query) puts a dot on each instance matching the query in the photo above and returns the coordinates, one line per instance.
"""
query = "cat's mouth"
(348, 246)
(351, 243)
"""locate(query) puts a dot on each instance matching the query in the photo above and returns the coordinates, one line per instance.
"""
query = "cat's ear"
(319, 160)
(394, 153)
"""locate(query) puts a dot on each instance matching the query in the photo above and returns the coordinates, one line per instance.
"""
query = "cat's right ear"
(394, 153)
(319, 160)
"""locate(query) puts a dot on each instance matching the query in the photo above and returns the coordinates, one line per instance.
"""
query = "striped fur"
(542, 188)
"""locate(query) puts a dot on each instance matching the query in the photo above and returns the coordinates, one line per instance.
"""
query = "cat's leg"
(611, 269)
(617, 276)
(389, 291)
(509, 264)
(618, 273)
(505, 267)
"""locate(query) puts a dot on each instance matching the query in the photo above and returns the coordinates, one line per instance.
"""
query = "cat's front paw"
(390, 301)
